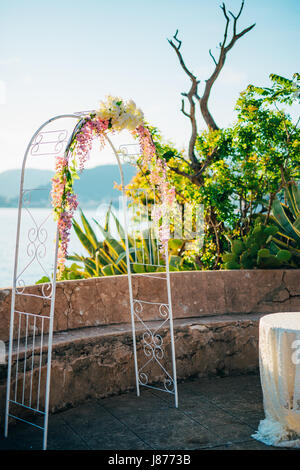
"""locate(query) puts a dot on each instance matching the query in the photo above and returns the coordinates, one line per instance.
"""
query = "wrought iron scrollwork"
(36, 249)
(49, 142)
(129, 153)
(153, 345)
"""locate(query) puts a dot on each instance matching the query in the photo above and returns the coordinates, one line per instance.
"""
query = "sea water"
(37, 234)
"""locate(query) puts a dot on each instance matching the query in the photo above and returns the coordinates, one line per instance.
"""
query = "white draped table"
(279, 362)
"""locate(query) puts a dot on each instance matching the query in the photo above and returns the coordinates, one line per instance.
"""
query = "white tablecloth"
(279, 362)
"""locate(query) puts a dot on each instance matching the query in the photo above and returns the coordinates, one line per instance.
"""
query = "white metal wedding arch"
(31, 333)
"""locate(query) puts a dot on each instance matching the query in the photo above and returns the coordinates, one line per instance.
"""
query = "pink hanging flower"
(64, 200)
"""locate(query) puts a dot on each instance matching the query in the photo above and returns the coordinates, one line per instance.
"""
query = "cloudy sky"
(61, 56)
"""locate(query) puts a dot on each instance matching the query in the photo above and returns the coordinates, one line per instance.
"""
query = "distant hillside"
(97, 183)
(10, 180)
(94, 186)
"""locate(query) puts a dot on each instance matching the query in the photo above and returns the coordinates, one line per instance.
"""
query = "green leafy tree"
(253, 161)
(265, 146)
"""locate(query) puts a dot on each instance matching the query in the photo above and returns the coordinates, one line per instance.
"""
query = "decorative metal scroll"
(35, 245)
(129, 153)
(153, 347)
(49, 142)
(152, 319)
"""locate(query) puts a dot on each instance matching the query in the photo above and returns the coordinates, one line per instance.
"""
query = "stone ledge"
(98, 361)
(105, 300)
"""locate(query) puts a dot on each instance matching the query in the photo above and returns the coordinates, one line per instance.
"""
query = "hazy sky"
(61, 56)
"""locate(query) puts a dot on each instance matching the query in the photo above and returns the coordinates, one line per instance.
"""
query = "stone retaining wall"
(105, 300)
(216, 329)
(98, 361)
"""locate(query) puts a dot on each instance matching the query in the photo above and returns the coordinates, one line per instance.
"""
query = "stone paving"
(213, 413)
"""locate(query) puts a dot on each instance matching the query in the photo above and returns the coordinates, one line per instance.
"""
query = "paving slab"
(214, 413)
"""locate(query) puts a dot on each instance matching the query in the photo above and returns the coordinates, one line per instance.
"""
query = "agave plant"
(287, 219)
(103, 256)
(108, 256)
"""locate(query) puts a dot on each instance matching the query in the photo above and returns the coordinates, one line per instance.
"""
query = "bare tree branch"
(236, 17)
(176, 49)
(223, 7)
(225, 47)
(208, 161)
(183, 111)
(195, 180)
(190, 96)
(197, 167)
(211, 55)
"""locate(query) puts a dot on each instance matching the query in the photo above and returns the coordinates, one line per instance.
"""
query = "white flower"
(123, 115)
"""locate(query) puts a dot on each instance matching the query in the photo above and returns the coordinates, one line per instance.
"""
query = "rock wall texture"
(216, 331)
(105, 300)
(98, 361)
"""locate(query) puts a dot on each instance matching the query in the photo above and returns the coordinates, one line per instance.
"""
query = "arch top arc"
(79, 116)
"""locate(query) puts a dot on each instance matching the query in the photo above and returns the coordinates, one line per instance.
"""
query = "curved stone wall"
(105, 300)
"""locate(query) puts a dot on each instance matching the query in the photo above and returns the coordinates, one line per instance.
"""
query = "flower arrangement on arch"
(113, 115)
